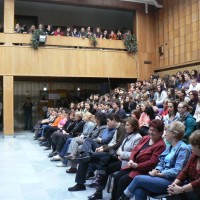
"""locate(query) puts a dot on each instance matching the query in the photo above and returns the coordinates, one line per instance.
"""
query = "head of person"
(135, 114)
(116, 104)
(183, 107)
(131, 125)
(78, 116)
(87, 106)
(113, 120)
(150, 112)
(88, 117)
(100, 119)
(194, 73)
(159, 88)
(172, 107)
(194, 82)
(195, 142)
(187, 76)
(182, 78)
(143, 106)
(58, 30)
(181, 93)
(82, 30)
(193, 95)
(171, 92)
(156, 128)
(175, 131)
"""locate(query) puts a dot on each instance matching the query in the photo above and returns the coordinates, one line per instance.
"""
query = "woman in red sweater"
(187, 184)
(143, 158)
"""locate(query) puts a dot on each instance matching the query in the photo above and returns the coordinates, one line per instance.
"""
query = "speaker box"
(161, 50)
(42, 38)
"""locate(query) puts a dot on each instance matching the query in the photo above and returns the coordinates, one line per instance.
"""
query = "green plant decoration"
(93, 41)
(35, 38)
(131, 44)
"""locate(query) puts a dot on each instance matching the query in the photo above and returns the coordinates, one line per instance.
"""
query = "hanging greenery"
(93, 41)
(131, 44)
(35, 38)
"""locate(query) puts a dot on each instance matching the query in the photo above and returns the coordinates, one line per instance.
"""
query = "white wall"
(63, 15)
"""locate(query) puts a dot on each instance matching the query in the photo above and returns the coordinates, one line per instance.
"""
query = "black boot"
(96, 182)
(97, 195)
(124, 197)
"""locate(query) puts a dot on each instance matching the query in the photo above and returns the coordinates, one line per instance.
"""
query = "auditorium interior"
(70, 69)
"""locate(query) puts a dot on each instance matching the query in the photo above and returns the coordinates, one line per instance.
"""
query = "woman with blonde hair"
(187, 184)
(171, 162)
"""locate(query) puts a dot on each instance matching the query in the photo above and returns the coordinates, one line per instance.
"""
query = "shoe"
(56, 158)
(41, 138)
(77, 187)
(96, 195)
(47, 148)
(44, 143)
(70, 157)
(90, 175)
(93, 184)
(61, 164)
(85, 157)
(54, 153)
(71, 170)
(124, 197)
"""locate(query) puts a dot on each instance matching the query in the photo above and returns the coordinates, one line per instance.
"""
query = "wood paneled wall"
(63, 62)
(8, 106)
(146, 43)
(178, 31)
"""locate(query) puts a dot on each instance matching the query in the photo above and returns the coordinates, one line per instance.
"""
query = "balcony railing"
(61, 41)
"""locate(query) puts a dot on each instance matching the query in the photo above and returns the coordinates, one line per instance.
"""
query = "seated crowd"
(146, 138)
(74, 32)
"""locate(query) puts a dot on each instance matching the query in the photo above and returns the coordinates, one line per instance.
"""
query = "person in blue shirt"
(172, 161)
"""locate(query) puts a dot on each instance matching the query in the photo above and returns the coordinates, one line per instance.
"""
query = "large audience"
(74, 31)
(147, 138)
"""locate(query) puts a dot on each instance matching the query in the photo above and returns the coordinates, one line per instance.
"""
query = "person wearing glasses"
(187, 119)
(171, 162)
(187, 184)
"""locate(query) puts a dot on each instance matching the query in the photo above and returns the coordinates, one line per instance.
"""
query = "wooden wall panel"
(146, 43)
(8, 105)
(174, 71)
(24, 61)
(180, 38)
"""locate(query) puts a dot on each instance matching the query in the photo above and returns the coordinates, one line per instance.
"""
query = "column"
(8, 108)
(9, 16)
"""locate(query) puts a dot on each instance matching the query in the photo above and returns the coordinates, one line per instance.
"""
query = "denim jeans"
(143, 185)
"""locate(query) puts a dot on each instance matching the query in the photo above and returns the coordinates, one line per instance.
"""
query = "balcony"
(65, 57)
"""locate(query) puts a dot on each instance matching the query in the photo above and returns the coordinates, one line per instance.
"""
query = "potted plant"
(93, 40)
(131, 44)
(35, 40)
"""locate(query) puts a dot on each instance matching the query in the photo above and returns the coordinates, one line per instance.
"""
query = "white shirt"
(197, 87)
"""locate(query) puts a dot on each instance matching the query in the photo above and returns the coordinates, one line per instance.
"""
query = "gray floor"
(26, 173)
